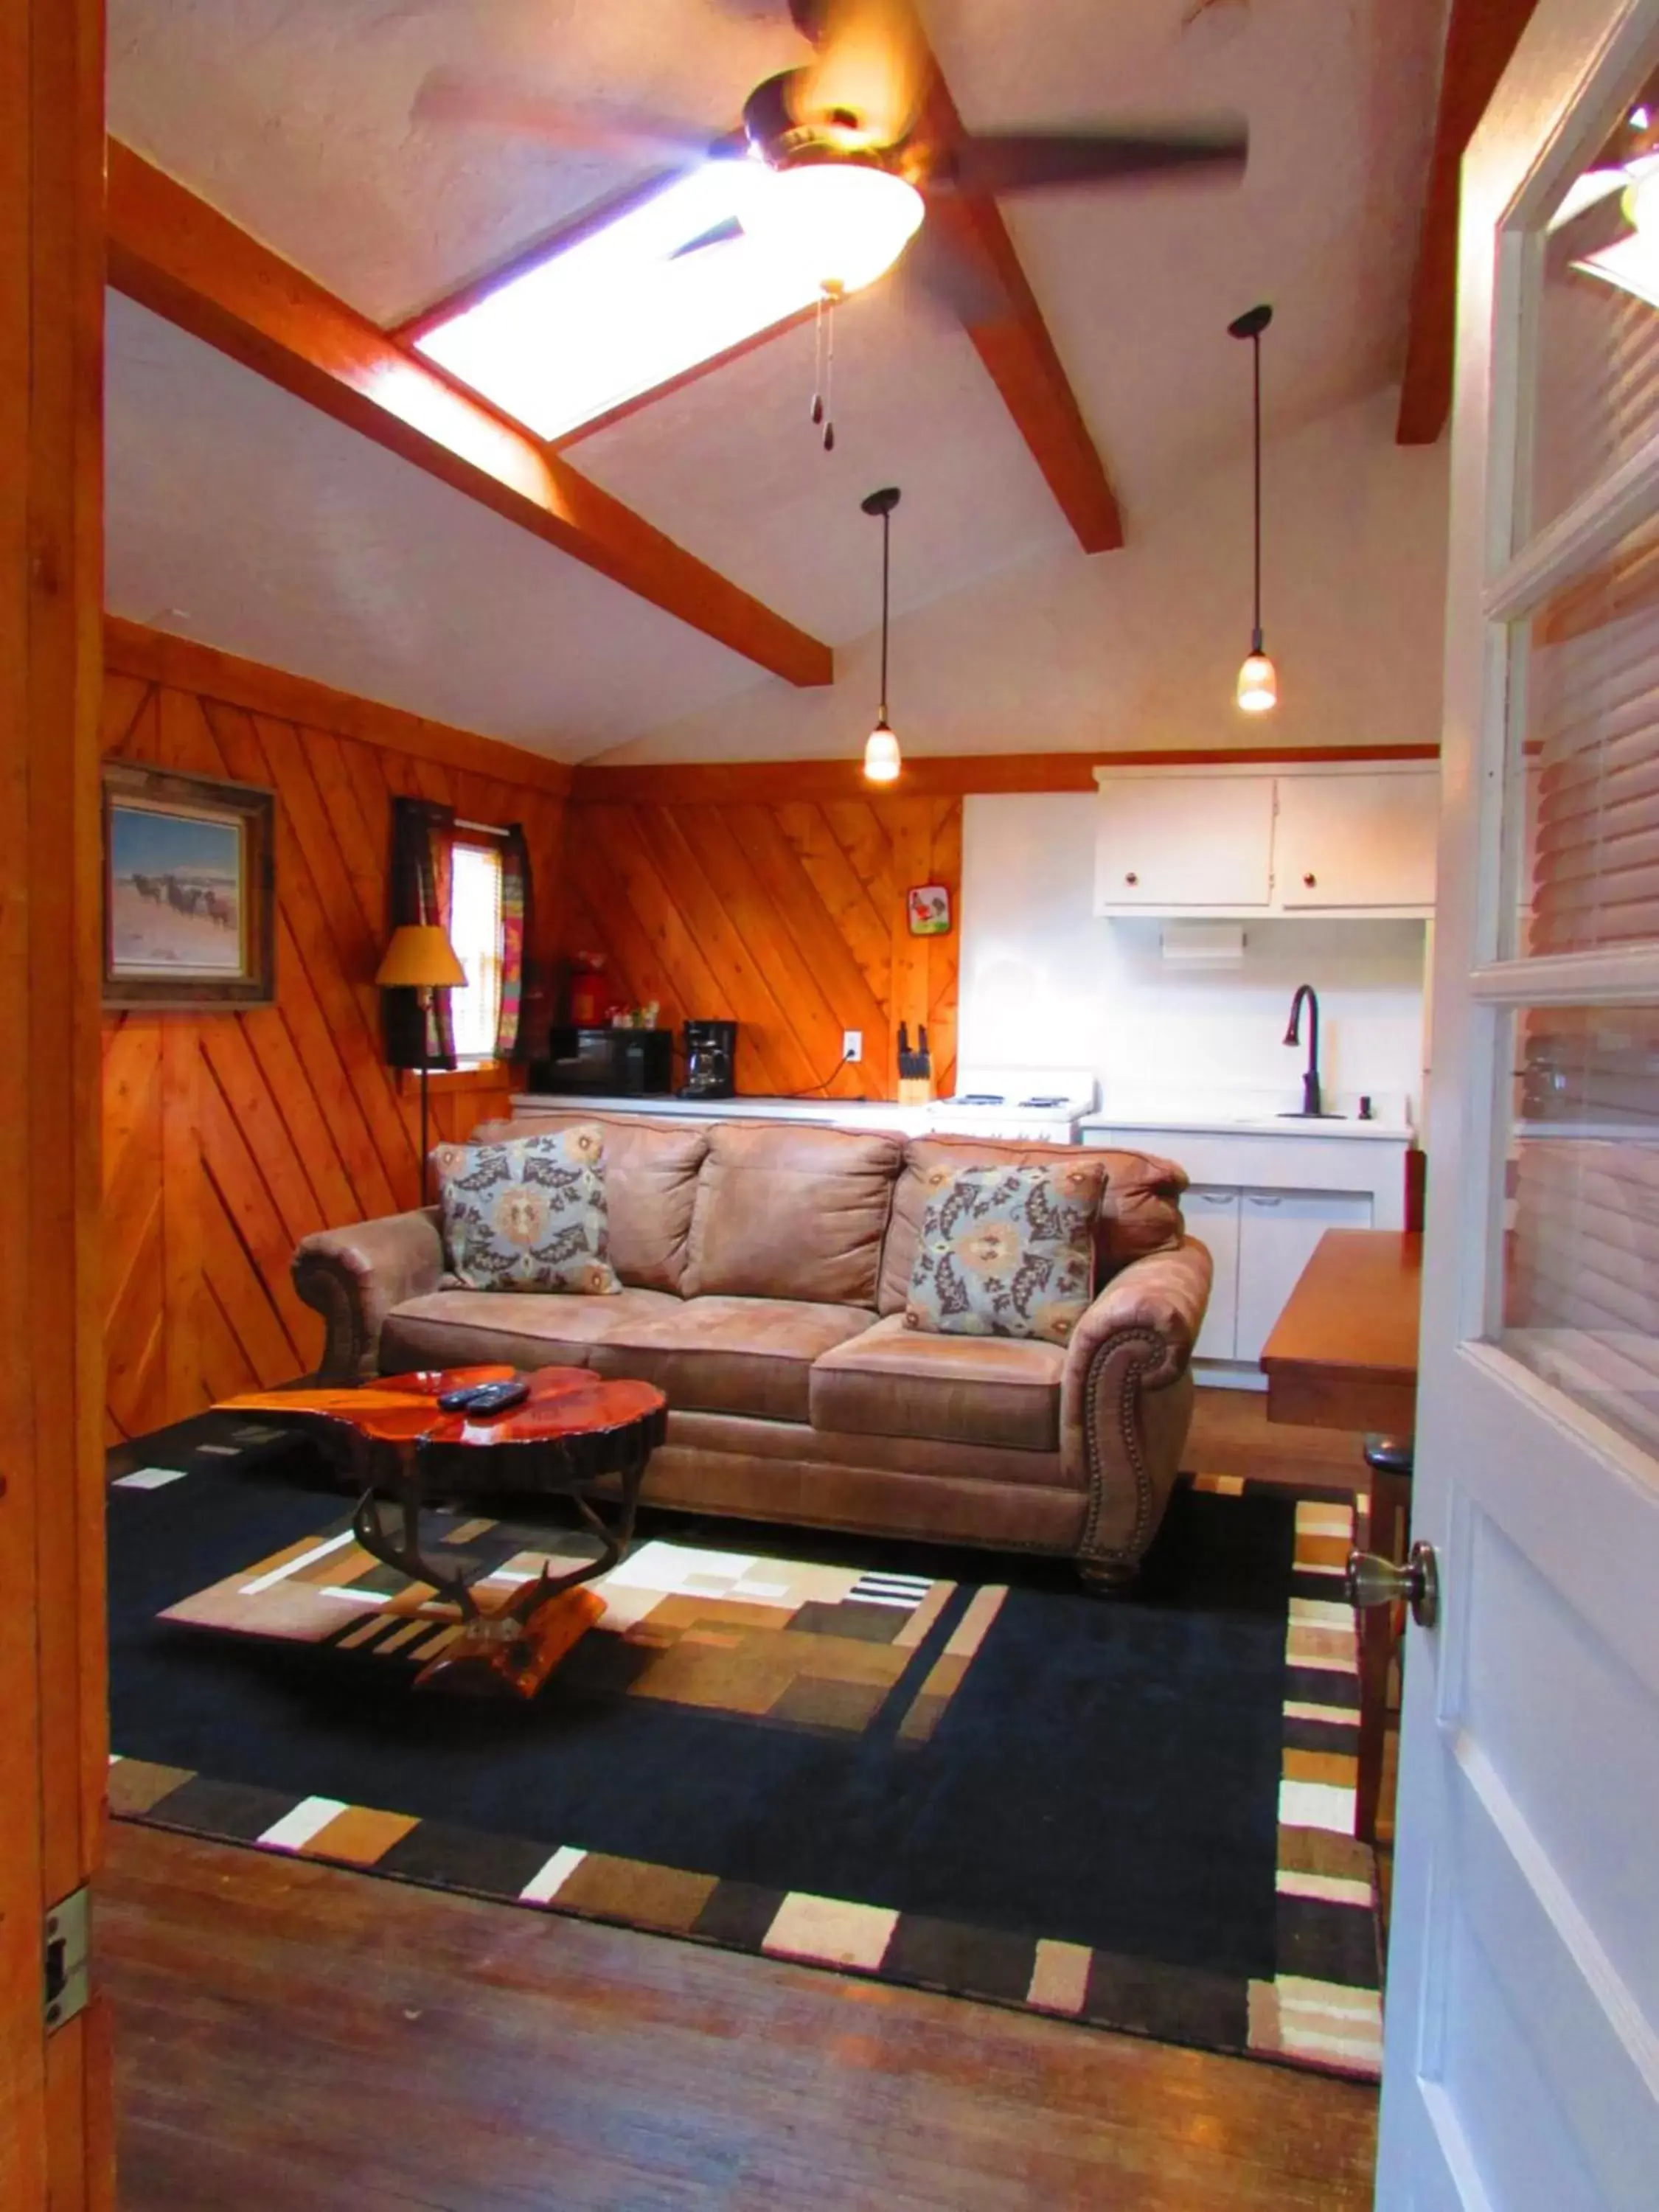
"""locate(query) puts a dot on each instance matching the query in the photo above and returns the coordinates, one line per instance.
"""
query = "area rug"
(949, 1769)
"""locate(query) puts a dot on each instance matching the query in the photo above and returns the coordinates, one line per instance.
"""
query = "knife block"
(915, 1090)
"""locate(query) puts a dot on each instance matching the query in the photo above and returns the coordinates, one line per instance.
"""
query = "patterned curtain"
(423, 846)
(515, 935)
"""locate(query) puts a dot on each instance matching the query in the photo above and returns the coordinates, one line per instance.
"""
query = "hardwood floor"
(1232, 1435)
(294, 2038)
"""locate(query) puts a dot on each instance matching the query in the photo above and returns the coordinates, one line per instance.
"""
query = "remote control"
(485, 1398)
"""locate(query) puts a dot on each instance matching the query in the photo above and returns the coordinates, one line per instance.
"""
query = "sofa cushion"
(651, 1183)
(1003, 1252)
(895, 1382)
(790, 1211)
(461, 1329)
(720, 1355)
(1139, 1195)
(528, 1214)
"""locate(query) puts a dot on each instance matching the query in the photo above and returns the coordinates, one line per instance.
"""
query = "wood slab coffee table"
(573, 1430)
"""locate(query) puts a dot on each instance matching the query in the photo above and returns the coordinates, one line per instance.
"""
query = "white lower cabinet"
(1278, 1230)
(1261, 1202)
(1212, 1216)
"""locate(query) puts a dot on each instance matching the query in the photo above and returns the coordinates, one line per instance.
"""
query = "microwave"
(606, 1062)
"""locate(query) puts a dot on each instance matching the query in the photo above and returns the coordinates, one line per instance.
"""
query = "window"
(613, 315)
(475, 931)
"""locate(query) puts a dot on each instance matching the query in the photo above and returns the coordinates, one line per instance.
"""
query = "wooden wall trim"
(54, 2089)
(156, 657)
(717, 783)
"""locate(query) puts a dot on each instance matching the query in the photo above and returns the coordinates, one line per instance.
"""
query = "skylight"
(615, 315)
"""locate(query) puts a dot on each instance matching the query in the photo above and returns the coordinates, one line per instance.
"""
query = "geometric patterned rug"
(951, 1770)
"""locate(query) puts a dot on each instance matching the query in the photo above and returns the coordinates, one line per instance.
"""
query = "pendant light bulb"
(881, 748)
(881, 755)
(1258, 685)
(1257, 690)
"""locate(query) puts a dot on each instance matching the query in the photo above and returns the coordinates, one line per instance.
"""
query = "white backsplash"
(1043, 980)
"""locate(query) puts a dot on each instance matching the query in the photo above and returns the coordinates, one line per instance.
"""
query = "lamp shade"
(420, 956)
(1258, 685)
(881, 755)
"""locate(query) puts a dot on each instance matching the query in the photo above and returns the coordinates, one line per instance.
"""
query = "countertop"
(856, 1113)
(1263, 1125)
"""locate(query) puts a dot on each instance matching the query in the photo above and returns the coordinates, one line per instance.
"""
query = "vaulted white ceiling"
(275, 533)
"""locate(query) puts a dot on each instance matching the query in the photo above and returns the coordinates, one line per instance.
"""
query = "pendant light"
(1258, 679)
(881, 747)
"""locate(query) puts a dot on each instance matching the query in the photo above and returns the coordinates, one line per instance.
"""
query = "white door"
(1522, 2065)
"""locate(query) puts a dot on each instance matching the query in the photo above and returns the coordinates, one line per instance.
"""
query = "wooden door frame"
(54, 2087)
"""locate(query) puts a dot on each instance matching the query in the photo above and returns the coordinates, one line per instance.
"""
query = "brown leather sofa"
(764, 1267)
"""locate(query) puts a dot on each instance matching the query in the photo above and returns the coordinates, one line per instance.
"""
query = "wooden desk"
(1343, 1355)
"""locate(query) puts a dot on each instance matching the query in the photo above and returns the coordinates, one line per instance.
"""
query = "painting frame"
(927, 909)
(196, 930)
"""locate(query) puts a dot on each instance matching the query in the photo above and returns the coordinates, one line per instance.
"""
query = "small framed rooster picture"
(928, 907)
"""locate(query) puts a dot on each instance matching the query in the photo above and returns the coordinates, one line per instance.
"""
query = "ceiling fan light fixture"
(840, 223)
(882, 760)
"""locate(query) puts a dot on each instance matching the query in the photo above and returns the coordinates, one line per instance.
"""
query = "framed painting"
(928, 909)
(190, 910)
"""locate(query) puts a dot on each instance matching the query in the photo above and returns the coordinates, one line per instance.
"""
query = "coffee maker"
(711, 1057)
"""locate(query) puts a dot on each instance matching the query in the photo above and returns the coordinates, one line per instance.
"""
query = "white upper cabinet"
(1362, 843)
(1327, 839)
(1174, 842)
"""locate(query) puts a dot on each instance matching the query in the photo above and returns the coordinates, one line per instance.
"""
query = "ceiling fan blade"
(450, 96)
(719, 234)
(999, 162)
(937, 269)
(871, 65)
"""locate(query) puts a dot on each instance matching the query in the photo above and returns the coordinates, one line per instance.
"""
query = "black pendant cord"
(883, 503)
(1255, 627)
(887, 546)
(1250, 325)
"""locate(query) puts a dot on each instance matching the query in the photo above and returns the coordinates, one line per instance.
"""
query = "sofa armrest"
(354, 1276)
(1126, 1401)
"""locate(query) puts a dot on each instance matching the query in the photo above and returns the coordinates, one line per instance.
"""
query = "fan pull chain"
(818, 364)
(831, 294)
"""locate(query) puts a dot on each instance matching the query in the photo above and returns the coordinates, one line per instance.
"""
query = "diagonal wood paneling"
(785, 914)
(227, 1137)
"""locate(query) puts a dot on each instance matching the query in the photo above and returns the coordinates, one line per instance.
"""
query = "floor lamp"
(422, 959)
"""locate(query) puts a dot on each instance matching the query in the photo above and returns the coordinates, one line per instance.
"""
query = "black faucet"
(1311, 1103)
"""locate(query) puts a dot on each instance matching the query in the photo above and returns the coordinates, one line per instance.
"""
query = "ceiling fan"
(847, 149)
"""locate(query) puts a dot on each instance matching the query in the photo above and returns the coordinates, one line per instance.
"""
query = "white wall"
(1140, 647)
(1046, 984)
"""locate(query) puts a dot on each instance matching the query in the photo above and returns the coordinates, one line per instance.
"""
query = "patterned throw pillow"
(1003, 1252)
(528, 1214)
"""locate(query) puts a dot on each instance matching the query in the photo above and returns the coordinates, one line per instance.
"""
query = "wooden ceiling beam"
(1012, 341)
(184, 261)
(1480, 36)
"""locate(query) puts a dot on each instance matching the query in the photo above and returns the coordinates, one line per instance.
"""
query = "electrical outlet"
(852, 1044)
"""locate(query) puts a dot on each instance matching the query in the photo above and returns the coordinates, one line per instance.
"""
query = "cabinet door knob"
(1132, 878)
(1309, 879)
